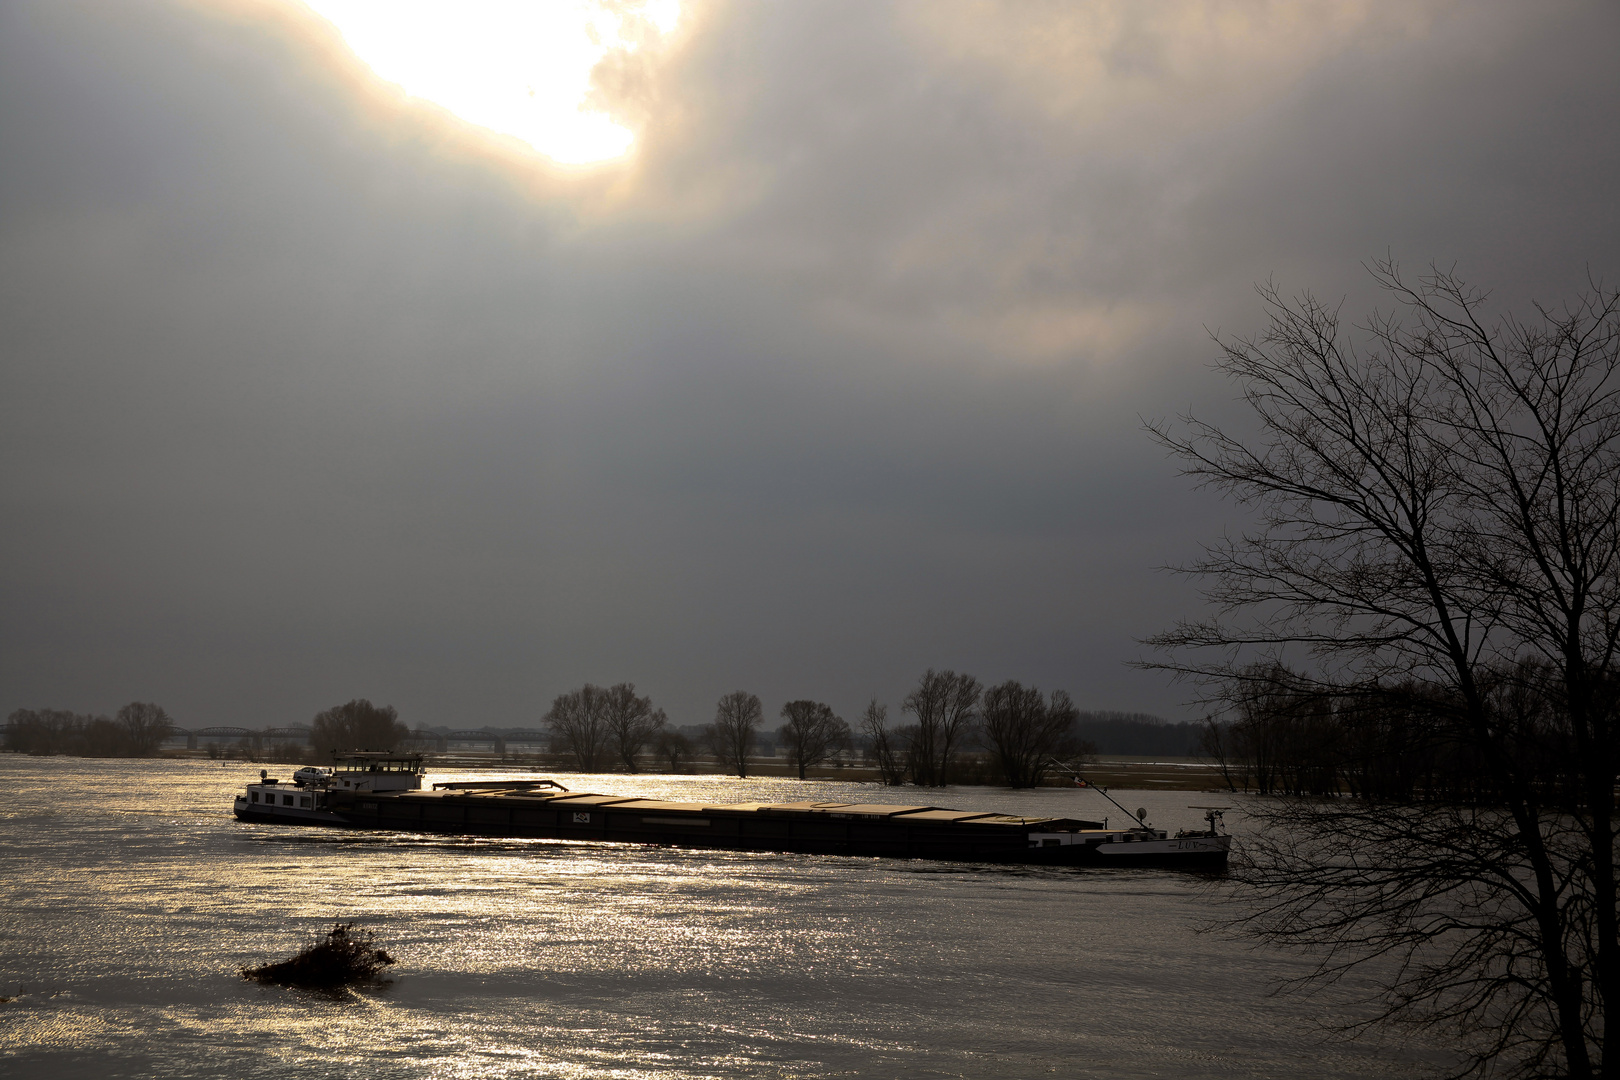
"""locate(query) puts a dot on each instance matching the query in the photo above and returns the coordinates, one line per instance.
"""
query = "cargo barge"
(384, 791)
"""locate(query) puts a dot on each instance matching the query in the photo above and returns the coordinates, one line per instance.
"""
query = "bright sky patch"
(519, 68)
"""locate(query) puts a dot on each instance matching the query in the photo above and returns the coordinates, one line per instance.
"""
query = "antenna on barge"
(1140, 817)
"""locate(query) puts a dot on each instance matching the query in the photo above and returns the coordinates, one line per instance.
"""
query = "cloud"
(310, 391)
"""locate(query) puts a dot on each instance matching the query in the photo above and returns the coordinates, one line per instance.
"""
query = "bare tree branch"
(1436, 551)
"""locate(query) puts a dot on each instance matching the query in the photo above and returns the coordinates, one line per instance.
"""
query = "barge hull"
(989, 838)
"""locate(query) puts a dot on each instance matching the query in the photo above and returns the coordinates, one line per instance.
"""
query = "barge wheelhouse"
(307, 799)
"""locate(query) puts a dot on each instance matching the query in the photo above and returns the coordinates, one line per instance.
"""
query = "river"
(131, 899)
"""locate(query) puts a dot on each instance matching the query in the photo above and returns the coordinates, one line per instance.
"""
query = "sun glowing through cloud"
(519, 67)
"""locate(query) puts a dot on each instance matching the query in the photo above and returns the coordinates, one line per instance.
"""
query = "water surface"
(131, 899)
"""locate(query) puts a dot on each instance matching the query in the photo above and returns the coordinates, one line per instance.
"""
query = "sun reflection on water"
(134, 899)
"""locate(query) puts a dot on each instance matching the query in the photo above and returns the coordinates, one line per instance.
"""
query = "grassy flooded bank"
(1109, 770)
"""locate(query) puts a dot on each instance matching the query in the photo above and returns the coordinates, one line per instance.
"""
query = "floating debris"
(342, 957)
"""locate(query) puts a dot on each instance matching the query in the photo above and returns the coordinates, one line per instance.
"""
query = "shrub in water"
(342, 957)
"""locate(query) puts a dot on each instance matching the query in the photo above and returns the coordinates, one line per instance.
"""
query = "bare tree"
(36, 731)
(730, 738)
(1285, 735)
(943, 704)
(1438, 534)
(54, 731)
(631, 722)
(1026, 733)
(145, 726)
(357, 725)
(578, 723)
(674, 748)
(887, 747)
(1215, 743)
(812, 734)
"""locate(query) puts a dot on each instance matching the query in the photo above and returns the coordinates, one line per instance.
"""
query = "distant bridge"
(298, 733)
(497, 741)
(442, 742)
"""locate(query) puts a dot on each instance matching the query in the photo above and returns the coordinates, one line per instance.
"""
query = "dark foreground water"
(130, 898)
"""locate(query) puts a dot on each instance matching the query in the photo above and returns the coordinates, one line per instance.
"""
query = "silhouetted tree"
(730, 738)
(1025, 733)
(1286, 736)
(943, 704)
(631, 722)
(812, 734)
(100, 736)
(139, 731)
(673, 747)
(886, 747)
(357, 725)
(1439, 531)
(43, 732)
(1215, 742)
(578, 722)
(145, 725)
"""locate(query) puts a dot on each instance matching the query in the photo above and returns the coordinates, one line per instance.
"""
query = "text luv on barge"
(375, 790)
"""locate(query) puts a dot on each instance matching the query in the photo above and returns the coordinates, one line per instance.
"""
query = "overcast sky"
(310, 390)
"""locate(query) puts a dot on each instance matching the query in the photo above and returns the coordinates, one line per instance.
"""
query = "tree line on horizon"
(137, 730)
(140, 728)
(1283, 735)
(1020, 732)
(962, 731)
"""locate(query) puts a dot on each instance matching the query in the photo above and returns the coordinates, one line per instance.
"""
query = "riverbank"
(1148, 774)
(1109, 770)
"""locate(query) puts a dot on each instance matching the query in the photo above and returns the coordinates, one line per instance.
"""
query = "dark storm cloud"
(304, 397)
